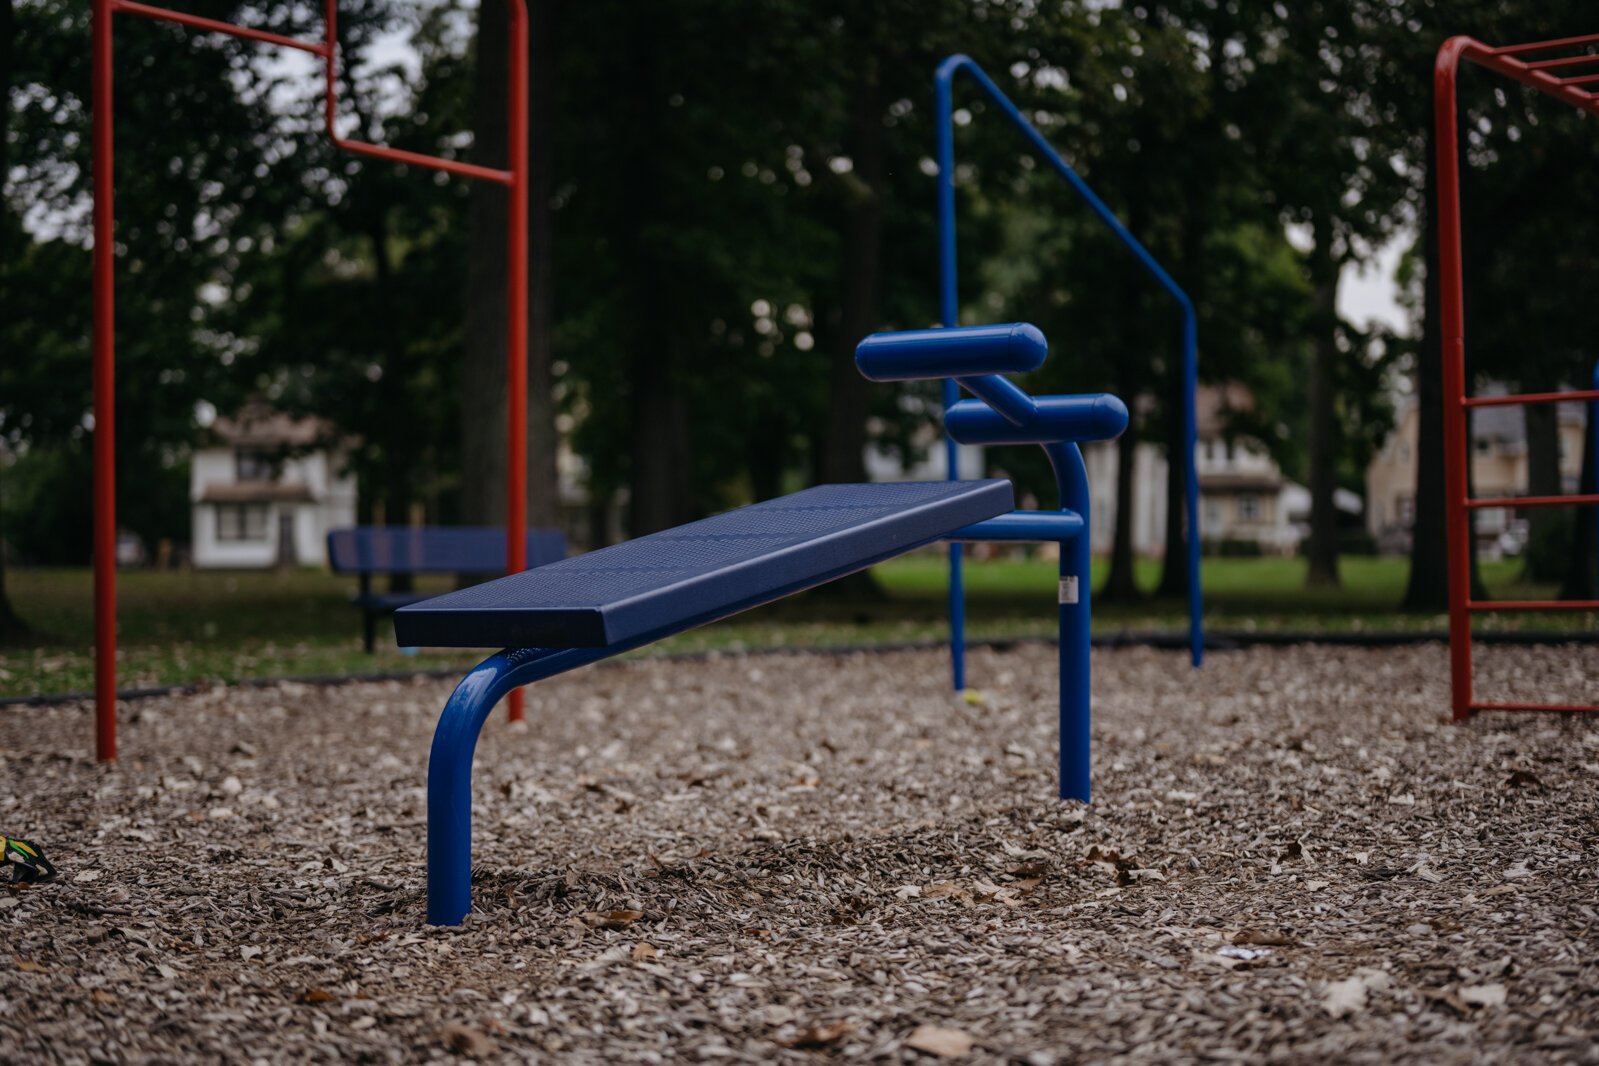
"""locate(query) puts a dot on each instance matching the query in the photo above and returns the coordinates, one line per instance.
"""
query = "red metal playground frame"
(1562, 69)
(514, 178)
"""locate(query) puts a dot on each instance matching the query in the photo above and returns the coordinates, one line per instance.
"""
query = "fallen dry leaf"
(643, 951)
(1262, 937)
(821, 1035)
(610, 919)
(464, 1040)
(937, 1040)
(1484, 995)
(1346, 997)
(29, 966)
(316, 995)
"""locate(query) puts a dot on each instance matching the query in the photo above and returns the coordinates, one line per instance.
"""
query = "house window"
(1406, 506)
(1212, 515)
(253, 466)
(241, 522)
(1249, 507)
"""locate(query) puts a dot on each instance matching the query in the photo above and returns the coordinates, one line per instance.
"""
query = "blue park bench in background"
(475, 550)
(587, 608)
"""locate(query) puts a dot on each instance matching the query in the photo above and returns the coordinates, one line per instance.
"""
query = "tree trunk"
(1582, 572)
(1543, 479)
(399, 454)
(662, 471)
(1322, 549)
(1121, 582)
(543, 442)
(1428, 587)
(1174, 560)
(483, 400)
(842, 453)
(766, 461)
(369, 209)
(11, 626)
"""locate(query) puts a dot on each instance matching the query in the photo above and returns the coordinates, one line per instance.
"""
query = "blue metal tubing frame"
(949, 312)
(1068, 528)
(450, 765)
(449, 817)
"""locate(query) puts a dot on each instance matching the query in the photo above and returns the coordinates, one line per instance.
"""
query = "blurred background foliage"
(727, 197)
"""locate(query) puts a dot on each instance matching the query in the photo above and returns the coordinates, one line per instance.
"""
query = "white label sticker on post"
(1068, 590)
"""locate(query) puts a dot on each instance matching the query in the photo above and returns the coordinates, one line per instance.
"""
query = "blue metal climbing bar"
(949, 314)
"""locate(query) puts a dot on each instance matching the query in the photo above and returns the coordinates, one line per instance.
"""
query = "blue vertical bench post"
(949, 313)
(580, 610)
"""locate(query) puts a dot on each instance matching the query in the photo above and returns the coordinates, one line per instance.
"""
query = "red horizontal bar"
(1534, 46)
(1578, 708)
(1532, 605)
(417, 159)
(1583, 79)
(1501, 61)
(324, 49)
(213, 26)
(1564, 61)
(1532, 501)
(1574, 396)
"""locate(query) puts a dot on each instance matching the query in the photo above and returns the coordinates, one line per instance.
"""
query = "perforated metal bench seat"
(679, 578)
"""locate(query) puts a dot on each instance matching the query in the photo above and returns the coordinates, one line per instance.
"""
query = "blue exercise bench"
(479, 550)
(590, 607)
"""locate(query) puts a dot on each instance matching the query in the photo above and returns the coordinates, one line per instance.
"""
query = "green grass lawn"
(199, 625)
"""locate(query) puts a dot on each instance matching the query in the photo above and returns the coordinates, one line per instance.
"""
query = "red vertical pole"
(516, 311)
(1452, 330)
(105, 400)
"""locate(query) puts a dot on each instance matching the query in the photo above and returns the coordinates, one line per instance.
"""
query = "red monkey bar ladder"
(1567, 70)
(514, 178)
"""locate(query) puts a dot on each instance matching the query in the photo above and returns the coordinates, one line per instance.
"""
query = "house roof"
(260, 426)
(1212, 403)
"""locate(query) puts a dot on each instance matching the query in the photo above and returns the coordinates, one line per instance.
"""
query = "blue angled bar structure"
(949, 313)
(577, 611)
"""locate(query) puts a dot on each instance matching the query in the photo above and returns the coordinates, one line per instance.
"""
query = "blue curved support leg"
(449, 856)
(1076, 688)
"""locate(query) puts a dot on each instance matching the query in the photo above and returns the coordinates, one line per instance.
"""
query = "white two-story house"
(264, 490)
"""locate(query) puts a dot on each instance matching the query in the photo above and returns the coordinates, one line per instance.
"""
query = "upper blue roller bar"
(965, 351)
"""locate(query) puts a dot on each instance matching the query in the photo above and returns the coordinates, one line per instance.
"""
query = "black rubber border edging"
(1225, 640)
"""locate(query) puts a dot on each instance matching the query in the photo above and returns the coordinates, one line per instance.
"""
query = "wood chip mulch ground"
(1292, 857)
